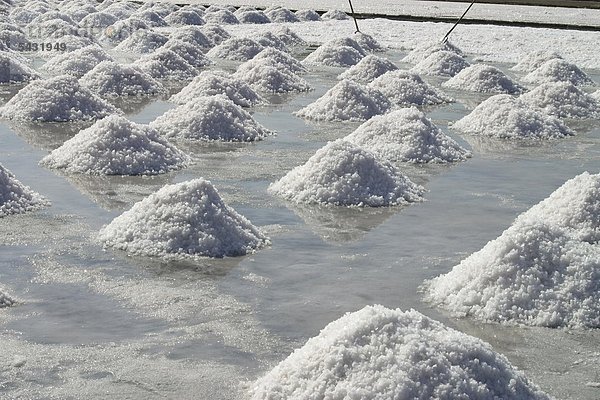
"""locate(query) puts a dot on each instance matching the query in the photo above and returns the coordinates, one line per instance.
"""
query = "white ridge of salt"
(252, 17)
(189, 52)
(335, 15)
(98, 20)
(120, 10)
(333, 56)
(268, 77)
(281, 14)
(558, 70)
(194, 36)
(22, 15)
(13, 70)
(543, 270)
(236, 49)
(378, 353)
(276, 58)
(368, 69)
(484, 79)
(404, 88)
(506, 117)
(77, 62)
(152, 18)
(214, 118)
(221, 17)
(183, 18)
(121, 30)
(116, 146)
(215, 33)
(367, 42)
(16, 198)
(111, 79)
(441, 63)
(52, 15)
(343, 174)
(308, 15)
(534, 60)
(58, 99)
(407, 135)
(187, 219)
(564, 100)
(6, 300)
(142, 41)
(289, 37)
(269, 39)
(346, 101)
(210, 83)
(165, 64)
(426, 49)
(347, 41)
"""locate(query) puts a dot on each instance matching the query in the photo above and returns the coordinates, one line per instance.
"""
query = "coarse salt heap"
(368, 69)
(334, 56)
(13, 70)
(221, 17)
(276, 58)
(404, 88)
(214, 118)
(267, 76)
(535, 59)
(564, 100)
(111, 79)
(142, 41)
(558, 70)
(367, 42)
(77, 62)
(503, 116)
(426, 49)
(215, 33)
(377, 353)
(485, 79)
(165, 64)
(334, 14)
(6, 300)
(407, 135)
(280, 14)
(346, 101)
(183, 18)
(121, 30)
(252, 17)
(116, 146)
(308, 15)
(189, 52)
(194, 36)
(343, 174)
(441, 63)
(289, 37)
(16, 198)
(236, 49)
(182, 220)
(58, 99)
(543, 270)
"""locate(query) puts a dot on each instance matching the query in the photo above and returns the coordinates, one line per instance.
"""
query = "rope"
(353, 16)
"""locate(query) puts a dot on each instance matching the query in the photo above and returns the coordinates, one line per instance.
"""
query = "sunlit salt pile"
(407, 135)
(289, 37)
(215, 33)
(184, 219)
(564, 100)
(236, 49)
(77, 62)
(12, 69)
(333, 55)
(424, 50)
(5, 299)
(558, 70)
(378, 353)
(346, 101)
(596, 95)
(194, 36)
(335, 15)
(367, 42)
(280, 14)
(98, 20)
(116, 146)
(142, 41)
(506, 117)
(221, 17)
(57, 99)
(266, 75)
(122, 29)
(532, 61)
(485, 79)
(404, 88)
(214, 118)
(368, 69)
(343, 174)
(110, 79)
(183, 18)
(150, 17)
(250, 15)
(165, 64)
(543, 270)
(16, 198)
(189, 52)
(308, 15)
(276, 58)
(210, 83)
(441, 63)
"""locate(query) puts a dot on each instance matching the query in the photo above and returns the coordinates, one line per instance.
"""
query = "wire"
(353, 16)
(445, 39)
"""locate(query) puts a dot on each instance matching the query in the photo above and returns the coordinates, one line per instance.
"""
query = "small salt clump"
(215, 33)
(236, 49)
(110, 79)
(58, 99)
(558, 70)
(221, 17)
(334, 56)
(214, 118)
(116, 146)
(16, 198)
(535, 59)
(441, 63)
(275, 58)
(426, 49)
(165, 64)
(267, 77)
(484, 79)
(142, 41)
(367, 42)
(368, 69)
(343, 174)
(404, 88)
(6, 300)
(194, 36)
(407, 135)
(77, 62)
(280, 14)
(289, 37)
(308, 15)
(377, 353)
(346, 101)
(13, 70)
(183, 18)
(211, 83)
(252, 17)
(183, 220)
(564, 100)
(335, 15)
(188, 52)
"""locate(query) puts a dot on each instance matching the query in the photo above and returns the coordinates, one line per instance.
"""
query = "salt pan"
(16, 198)
(441, 63)
(485, 79)
(558, 70)
(368, 69)
(269, 39)
(564, 100)
(237, 49)
(405, 88)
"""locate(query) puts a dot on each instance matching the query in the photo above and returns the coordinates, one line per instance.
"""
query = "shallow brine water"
(99, 323)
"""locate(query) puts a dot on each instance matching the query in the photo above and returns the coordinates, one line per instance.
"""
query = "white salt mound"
(151, 17)
(535, 59)
(77, 62)
(441, 63)
(265, 77)
(404, 88)
(275, 58)
(543, 270)
(558, 70)
(111, 79)
(221, 17)
(215, 33)
(343, 174)
(503, 116)
(116, 146)
(333, 56)
(367, 42)
(596, 95)
(564, 100)
(210, 83)
(308, 15)
(6, 300)
(121, 30)
(346, 101)
(485, 79)
(407, 135)
(185, 219)
(142, 41)
(236, 49)
(165, 64)
(424, 50)
(57, 99)
(183, 18)
(194, 36)
(281, 14)
(16, 198)
(214, 118)
(289, 37)
(189, 52)
(335, 14)
(368, 69)
(12, 70)
(347, 41)
(98, 20)
(377, 353)
(252, 17)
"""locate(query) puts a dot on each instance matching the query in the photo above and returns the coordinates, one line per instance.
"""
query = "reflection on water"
(47, 136)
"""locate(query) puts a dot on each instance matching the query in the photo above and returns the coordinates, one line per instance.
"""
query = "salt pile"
(57, 99)
(335, 15)
(268, 77)
(441, 63)
(188, 52)
(184, 219)
(194, 36)
(426, 49)
(308, 15)
(346, 101)
(405, 88)
(215, 33)
(221, 17)
(152, 18)
(367, 42)
(183, 18)
(269, 39)
(485, 79)
(252, 17)
(280, 14)
(596, 95)
(6, 300)
(116, 146)
(531, 61)
(558, 70)
(289, 37)
(210, 83)
(112, 79)
(16, 198)
(209, 119)
(275, 58)
(343, 174)
(77, 62)
(55, 28)
(142, 41)
(333, 56)
(98, 20)
(377, 353)
(368, 69)
(564, 100)
(503, 116)
(13, 70)
(121, 30)
(543, 270)
(407, 135)
(236, 49)
(120, 10)
(347, 41)
(166, 65)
